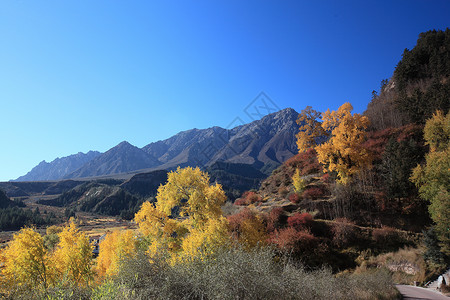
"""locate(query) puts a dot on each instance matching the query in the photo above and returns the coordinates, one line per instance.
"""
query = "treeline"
(420, 84)
(13, 216)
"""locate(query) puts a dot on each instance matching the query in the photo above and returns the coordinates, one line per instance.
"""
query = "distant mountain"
(269, 141)
(263, 144)
(58, 168)
(119, 159)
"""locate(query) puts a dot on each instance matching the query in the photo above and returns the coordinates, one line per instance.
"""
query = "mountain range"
(263, 144)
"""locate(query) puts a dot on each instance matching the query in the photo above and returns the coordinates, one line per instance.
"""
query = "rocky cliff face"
(58, 168)
(119, 159)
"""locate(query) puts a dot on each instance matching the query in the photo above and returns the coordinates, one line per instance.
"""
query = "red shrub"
(236, 219)
(248, 198)
(294, 198)
(289, 239)
(300, 220)
(313, 193)
(307, 162)
(241, 201)
(325, 178)
(273, 218)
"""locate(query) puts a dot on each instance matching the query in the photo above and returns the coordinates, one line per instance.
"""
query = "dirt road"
(418, 293)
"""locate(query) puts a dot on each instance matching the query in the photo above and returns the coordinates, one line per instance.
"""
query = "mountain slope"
(119, 159)
(270, 140)
(58, 168)
(264, 144)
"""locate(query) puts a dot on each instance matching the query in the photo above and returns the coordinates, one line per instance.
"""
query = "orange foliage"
(306, 162)
(273, 218)
(248, 228)
(344, 152)
(294, 198)
(300, 221)
(313, 193)
(248, 198)
(115, 246)
(289, 239)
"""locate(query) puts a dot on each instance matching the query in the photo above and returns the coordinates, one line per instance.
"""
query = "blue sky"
(86, 75)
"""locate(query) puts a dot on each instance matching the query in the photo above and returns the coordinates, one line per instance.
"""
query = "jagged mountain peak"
(269, 140)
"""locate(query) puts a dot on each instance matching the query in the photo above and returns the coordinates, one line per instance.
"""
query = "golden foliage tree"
(298, 182)
(187, 219)
(25, 262)
(73, 255)
(433, 179)
(310, 129)
(116, 246)
(344, 152)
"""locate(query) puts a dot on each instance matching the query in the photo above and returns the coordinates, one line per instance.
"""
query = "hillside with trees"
(363, 205)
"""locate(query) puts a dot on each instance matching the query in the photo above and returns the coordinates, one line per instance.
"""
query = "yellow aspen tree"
(298, 182)
(73, 255)
(25, 262)
(115, 246)
(187, 212)
(310, 129)
(344, 152)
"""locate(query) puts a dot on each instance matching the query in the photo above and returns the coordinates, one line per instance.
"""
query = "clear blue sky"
(86, 75)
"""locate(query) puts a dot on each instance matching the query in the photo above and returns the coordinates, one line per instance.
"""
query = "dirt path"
(417, 293)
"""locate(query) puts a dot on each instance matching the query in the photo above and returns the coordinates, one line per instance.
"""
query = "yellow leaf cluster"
(73, 255)
(187, 217)
(298, 182)
(114, 247)
(310, 129)
(343, 152)
(25, 262)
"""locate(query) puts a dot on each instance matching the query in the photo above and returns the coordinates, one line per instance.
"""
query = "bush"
(238, 274)
(387, 237)
(313, 193)
(294, 198)
(283, 191)
(289, 239)
(274, 218)
(248, 198)
(300, 221)
(344, 232)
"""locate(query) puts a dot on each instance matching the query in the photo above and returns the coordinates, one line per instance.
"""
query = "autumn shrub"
(248, 198)
(307, 162)
(300, 220)
(325, 178)
(290, 239)
(344, 232)
(294, 198)
(313, 193)
(283, 191)
(274, 218)
(247, 228)
(386, 237)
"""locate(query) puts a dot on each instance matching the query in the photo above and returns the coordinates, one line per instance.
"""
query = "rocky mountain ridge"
(263, 143)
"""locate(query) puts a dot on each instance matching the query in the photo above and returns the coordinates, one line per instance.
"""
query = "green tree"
(433, 178)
